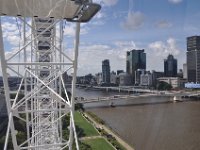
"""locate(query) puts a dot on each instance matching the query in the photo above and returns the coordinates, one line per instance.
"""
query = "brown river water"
(152, 123)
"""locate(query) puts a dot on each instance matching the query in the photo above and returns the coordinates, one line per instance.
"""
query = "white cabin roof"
(58, 9)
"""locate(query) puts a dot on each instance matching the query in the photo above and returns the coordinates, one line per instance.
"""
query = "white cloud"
(162, 49)
(98, 22)
(163, 24)
(125, 44)
(100, 15)
(70, 29)
(9, 26)
(11, 33)
(13, 39)
(133, 21)
(17, 58)
(175, 1)
(107, 2)
(159, 50)
(110, 2)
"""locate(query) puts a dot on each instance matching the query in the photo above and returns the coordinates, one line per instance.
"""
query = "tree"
(163, 86)
(79, 106)
(21, 137)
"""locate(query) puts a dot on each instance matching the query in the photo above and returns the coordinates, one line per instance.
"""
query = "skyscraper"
(193, 58)
(106, 71)
(170, 66)
(185, 71)
(135, 59)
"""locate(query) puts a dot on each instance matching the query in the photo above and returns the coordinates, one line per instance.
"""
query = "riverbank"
(89, 136)
(160, 126)
(109, 131)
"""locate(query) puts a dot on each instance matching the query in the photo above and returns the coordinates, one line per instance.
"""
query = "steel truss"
(42, 108)
(41, 62)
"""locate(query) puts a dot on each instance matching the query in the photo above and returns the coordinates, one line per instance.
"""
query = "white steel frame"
(41, 69)
(45, 120)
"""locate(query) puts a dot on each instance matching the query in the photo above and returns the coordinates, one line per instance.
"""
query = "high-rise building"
(170, 66)
(138, 73)
(193, 59)
(135, 59)
(180, 73)
(106, 71)
(193, 43)
(185, 71)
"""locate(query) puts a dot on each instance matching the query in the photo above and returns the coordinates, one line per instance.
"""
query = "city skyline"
(159, 27)
(47, 104)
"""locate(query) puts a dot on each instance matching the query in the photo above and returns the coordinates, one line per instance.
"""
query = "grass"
(99, 144)
(87, 128)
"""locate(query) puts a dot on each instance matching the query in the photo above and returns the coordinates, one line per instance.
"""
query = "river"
(150, 123)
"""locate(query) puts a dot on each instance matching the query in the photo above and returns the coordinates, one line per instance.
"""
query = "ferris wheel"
(41, 66)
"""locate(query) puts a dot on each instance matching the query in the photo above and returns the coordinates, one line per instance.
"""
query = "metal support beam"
(76, 47)
(6, 88)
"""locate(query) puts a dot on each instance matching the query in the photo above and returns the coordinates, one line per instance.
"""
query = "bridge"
(83, 100)
(127, 89)
(153, 93)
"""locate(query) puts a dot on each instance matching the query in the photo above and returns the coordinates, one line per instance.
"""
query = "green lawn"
(99, 144)
(86, 128)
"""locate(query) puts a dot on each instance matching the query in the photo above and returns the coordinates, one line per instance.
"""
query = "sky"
(158, 26)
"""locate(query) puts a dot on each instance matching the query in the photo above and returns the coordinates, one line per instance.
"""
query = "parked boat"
(177, 99)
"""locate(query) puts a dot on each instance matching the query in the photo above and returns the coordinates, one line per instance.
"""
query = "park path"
(90, 137)
(121, 141)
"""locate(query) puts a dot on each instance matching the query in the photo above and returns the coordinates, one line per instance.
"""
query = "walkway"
(121, 141)
(89, 137)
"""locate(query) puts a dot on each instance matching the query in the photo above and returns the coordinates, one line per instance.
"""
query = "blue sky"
(158, 26)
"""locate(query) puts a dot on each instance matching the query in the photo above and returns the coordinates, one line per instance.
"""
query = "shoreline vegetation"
(117, 142)
(89, 137)
(91, 132)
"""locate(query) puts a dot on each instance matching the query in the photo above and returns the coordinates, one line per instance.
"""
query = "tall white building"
(99, 78)
(146, 79)
(113, 78)
(185, 76)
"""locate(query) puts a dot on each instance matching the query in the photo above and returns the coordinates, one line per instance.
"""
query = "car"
(43, 20)
(46, 114)
(44, 73)
(43, 45)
